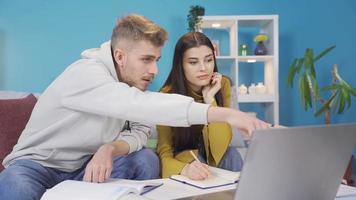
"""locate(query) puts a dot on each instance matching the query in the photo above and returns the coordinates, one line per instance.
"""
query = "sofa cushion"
(14, 115)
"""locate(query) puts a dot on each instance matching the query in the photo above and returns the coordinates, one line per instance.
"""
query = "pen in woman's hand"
(194, 156)
(196, 159)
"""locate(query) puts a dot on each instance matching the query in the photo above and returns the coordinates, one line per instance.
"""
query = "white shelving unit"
(234, 29)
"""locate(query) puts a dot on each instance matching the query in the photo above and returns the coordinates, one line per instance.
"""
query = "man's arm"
(130, 140)
(136, 136)
(245, 123)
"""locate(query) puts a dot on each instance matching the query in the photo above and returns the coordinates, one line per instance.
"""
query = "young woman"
(195, 74)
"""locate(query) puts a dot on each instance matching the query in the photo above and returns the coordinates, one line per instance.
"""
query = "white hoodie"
(87, 106)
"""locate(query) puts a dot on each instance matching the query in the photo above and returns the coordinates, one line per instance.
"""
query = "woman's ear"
(119, 57)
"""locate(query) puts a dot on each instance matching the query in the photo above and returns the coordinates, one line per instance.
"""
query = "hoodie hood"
(103, 55)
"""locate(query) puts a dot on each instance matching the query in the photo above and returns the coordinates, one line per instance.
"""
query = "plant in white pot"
(194, 18)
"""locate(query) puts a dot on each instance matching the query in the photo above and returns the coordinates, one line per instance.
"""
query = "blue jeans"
(231, 160)
(28, 180)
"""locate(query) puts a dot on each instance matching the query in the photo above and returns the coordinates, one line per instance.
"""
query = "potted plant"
(340, 92)
(194, 17)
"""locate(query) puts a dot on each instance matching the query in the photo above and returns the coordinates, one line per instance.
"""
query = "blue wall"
(39, 38)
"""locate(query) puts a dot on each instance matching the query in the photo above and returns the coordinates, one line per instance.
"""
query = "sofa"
(15, 111)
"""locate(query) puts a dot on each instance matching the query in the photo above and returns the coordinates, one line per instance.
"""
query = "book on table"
(219, 177)
(346, 191)
(110, 190)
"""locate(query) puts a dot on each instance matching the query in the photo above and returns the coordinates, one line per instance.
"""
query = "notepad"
(219, 177)
(111, 190)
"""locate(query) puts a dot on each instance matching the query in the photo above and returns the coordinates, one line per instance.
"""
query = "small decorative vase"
(260, 49)
(252, 89)
(242, 89)
(260, 88)
(243, 50)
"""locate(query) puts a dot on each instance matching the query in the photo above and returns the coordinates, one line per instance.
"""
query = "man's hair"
(137, 28)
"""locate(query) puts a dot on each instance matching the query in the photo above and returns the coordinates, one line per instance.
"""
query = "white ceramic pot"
(260, 88)
(242, 89)
(252, 89)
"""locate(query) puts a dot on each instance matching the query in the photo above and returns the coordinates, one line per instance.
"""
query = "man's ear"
(120, 57)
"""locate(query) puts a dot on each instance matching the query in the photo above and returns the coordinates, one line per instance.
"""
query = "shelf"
(256, 21)
(226, 24)
(256, 98)
(228, 33)
(225, 57)
(255, 58)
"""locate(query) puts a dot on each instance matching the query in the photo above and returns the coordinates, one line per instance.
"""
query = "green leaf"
(309, 62)
(308, 58)
(291, 73)
(300, 64)
(329, 87)
(312, 70)
(325, 106)
(346, 96)
(307, 93)
(302, 92)
(323, 53)
(342, 104)
(347, 87)
(333, 103)
(316, 92)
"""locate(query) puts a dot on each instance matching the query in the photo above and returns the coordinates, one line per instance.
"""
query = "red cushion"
(14, 115)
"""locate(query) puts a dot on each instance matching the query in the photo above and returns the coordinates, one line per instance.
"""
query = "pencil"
(194, 156)
(196, 159)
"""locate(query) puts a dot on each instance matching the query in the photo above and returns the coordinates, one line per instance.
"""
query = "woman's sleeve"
(218, 135)
(169, 165)
(226, 91)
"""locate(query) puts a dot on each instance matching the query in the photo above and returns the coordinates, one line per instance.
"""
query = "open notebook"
(219, 177)
(111, 190)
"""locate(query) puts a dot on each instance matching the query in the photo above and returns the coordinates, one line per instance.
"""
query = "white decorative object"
(252, 89)
(260, 88)
(242, 89)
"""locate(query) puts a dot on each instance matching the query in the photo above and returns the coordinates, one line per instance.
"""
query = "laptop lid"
(296, 163)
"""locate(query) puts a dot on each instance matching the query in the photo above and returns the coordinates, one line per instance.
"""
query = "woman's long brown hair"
(187, 137)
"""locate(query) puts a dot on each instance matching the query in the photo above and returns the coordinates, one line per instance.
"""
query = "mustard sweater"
(216, 137)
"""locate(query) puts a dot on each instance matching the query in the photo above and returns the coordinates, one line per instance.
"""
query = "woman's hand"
(211, 89)
(196, 171)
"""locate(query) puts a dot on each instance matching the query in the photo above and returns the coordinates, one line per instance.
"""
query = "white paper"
(346, 191)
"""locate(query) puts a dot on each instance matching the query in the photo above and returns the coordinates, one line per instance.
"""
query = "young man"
(93, 120)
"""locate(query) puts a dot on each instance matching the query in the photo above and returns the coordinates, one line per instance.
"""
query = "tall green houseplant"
(194, 17)
(340, 92)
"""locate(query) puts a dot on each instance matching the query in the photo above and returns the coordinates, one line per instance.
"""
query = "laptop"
(300, 163)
